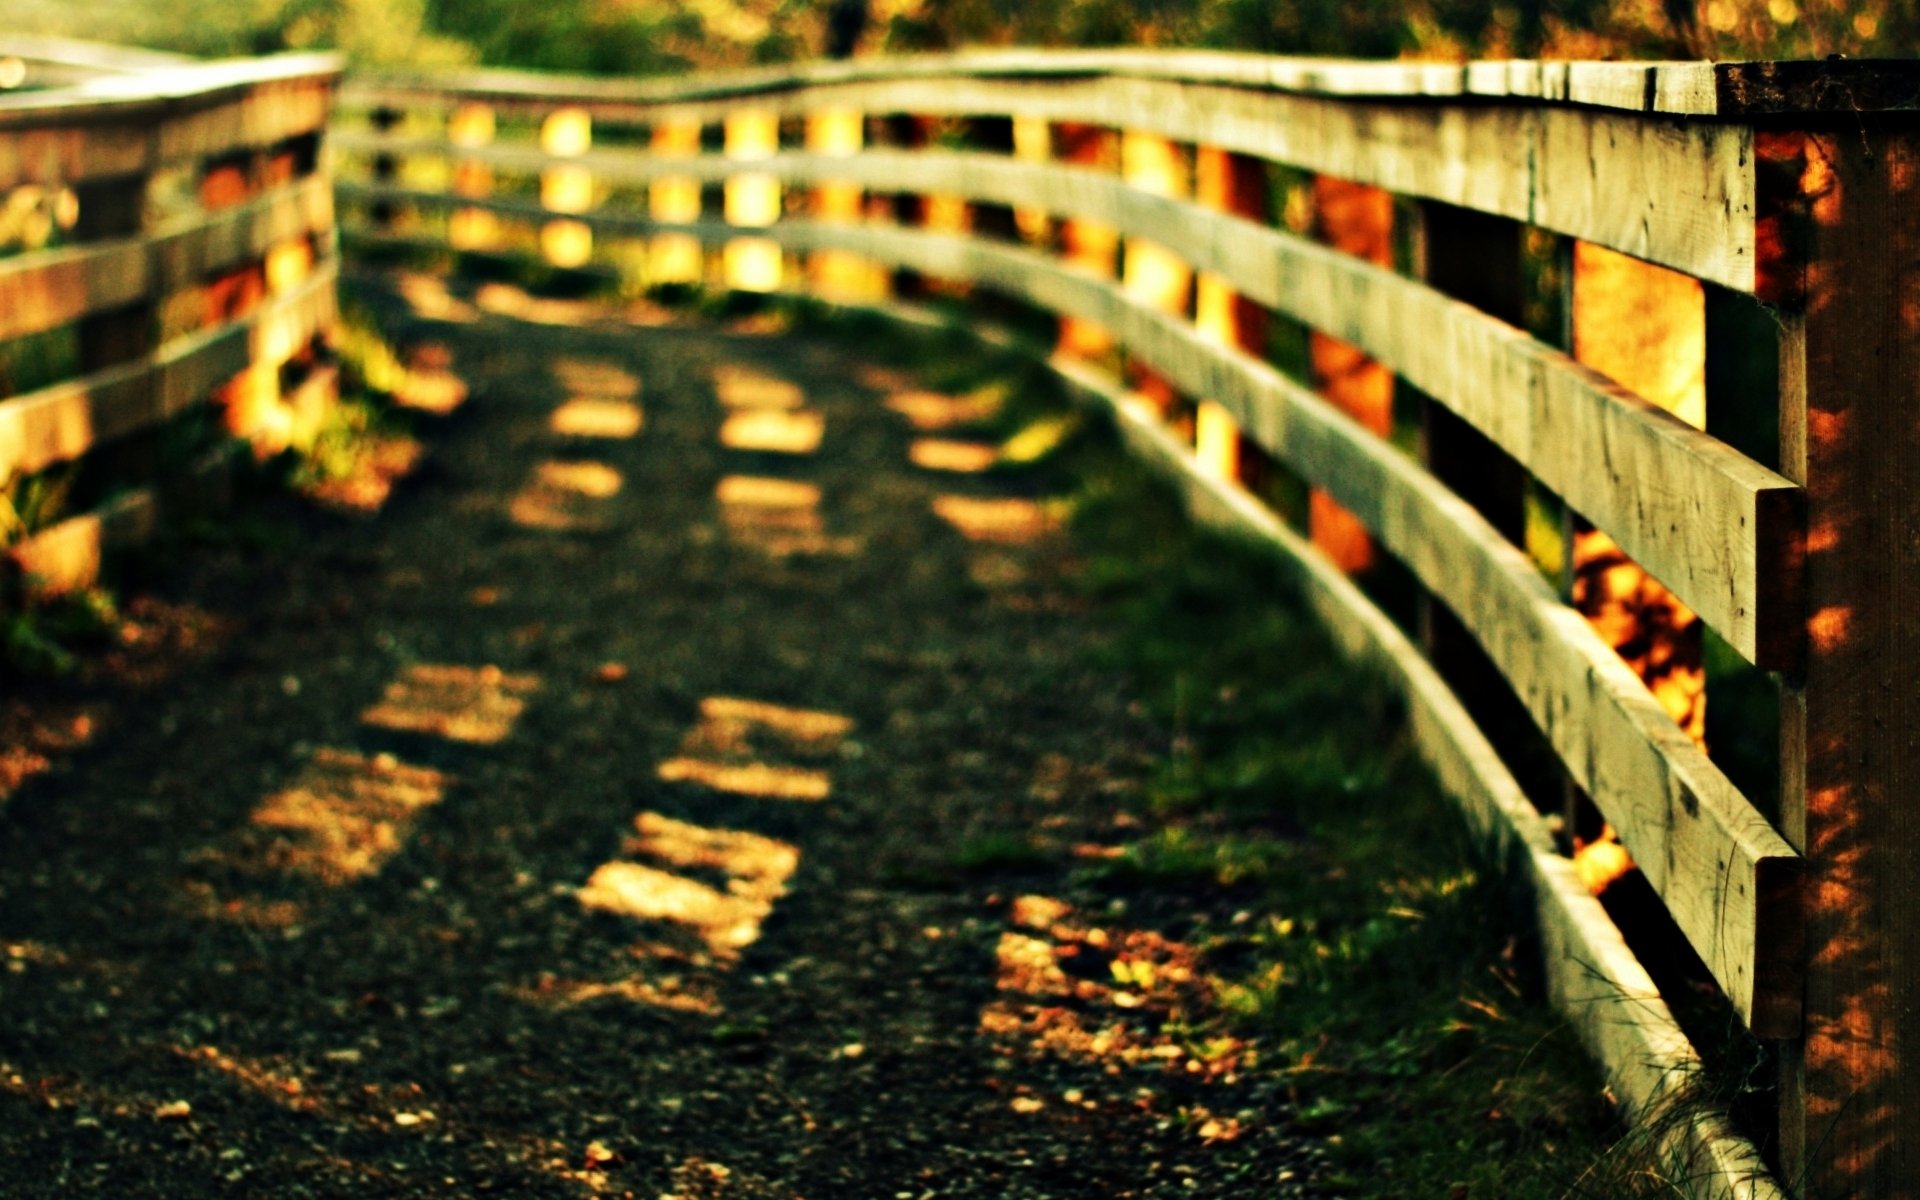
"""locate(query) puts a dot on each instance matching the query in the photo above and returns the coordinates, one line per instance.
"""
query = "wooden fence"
(1615, 361)
(166, 239)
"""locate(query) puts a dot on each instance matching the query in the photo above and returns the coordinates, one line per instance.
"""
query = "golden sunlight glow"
(959, 458)
(777, 516)
(1216, 441)
(810, 727)
(566, 189)
(566, 495)
(1601, 861)
(427, 296)
(563, 188)
(726, 922)
(289, 264)
(753, 870)
(471, 125)
(671, 993)
(1645, 327)
(567, 131)
(1006, 520)
(773, 431)
(1149, 271)
(463, 704)
(1356, 219)
(755, 491)
(753, 201)
(753, 264)
(596, 377)
(768, 781)
(839, 274)
(1032, 143)
(1127, 1014)
(718, 751)
(343, 816)
(756, 867)
(592, 418)
(932, 411)
(566, 243)
(675, 257)
(744, 387)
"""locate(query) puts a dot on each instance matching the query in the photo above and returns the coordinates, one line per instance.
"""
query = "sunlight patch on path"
(750, 872)
(566, 496)
(428, 297)
(596, 377)
(463, 704)
(774, 431)
(592, 417)
(741, 387)
(721, 750)
(1123, 998)
(952, 457)
(509, 301)
(779, 517)
(931, 412)
(340, 819)
(998, 521)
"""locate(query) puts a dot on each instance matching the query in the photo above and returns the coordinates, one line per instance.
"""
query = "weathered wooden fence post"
(1842, 222)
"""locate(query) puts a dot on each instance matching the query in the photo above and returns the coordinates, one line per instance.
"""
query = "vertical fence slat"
(1850, 770)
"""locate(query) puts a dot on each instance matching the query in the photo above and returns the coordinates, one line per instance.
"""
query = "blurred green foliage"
(650, 37)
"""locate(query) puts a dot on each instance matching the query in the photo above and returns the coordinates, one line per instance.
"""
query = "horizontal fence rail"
(1606, 358)
(177, 262)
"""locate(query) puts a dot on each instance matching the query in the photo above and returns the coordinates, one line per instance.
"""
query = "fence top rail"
(103, 57)
(134, 94)
(1692, 89)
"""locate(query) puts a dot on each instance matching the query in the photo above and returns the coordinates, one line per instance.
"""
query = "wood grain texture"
(1675, 192)
(62, 422)
(46, 289)
(67, 557)
(1692, 89)
(1723, 872)
(1592, 975)
(1850, 381)
(1717, 528)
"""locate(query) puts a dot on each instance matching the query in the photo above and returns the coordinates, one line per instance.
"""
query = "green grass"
(1358, 933)
(1379, 956)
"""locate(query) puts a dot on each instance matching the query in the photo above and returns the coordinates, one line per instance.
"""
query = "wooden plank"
(73, 153)
(1725, 874)
(1718, 529)
(186, 369)
(62, 422)
(91, 56)
(1849, 381)
(1691, 89)
(67, 557)
(262, 116)
(1592, 976)
(146, 97)
(1671, 191)
(51, 288)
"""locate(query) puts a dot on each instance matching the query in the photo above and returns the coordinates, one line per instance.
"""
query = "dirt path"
(622, 813)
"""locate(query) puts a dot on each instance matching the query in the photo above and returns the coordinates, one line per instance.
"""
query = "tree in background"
(651, 37)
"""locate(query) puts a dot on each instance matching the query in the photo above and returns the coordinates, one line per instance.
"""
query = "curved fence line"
(1548, 487)
(188, 258)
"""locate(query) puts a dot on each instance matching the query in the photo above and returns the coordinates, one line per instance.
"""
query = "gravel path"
(621, 813)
